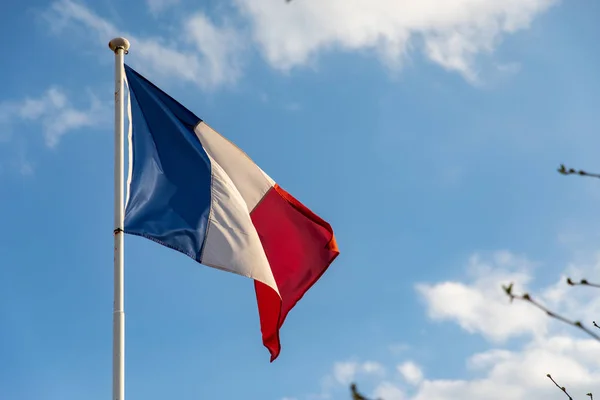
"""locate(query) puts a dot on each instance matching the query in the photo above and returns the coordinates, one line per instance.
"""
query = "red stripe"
(300, 246)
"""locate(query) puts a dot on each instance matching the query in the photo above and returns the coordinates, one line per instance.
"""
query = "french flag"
(192, 190)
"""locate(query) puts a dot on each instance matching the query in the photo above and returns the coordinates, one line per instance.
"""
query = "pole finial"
(119, 43)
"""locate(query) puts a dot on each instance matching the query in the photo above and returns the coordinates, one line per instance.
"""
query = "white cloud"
(346, 372)
(56, 115)
(479, 306)
(63, 13)
(218, 46)
(16, 160)
(451, 33)
(398, 348)
(522, 374)
(203, 53)
(371, 367)
(499, 373)
(411, 372)
(388, 391)
(158, 6)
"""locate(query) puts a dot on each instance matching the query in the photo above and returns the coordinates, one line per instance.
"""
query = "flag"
(192, 190)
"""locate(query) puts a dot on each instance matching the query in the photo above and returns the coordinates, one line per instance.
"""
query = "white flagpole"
(120, 47)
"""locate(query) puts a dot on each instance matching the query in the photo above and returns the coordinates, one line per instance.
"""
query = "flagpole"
(120, 47)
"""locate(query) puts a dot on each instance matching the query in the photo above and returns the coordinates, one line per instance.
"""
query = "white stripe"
(232, 243)
(250, 181)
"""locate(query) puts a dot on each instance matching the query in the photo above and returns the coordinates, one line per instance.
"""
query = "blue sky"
(427, 134)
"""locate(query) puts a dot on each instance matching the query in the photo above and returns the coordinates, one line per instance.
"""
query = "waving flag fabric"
(194, 191)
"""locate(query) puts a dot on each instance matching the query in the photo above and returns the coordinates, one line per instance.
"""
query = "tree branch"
(582, 282)
(355, 394)
(527, 298)
(564, 171)
(560, 387)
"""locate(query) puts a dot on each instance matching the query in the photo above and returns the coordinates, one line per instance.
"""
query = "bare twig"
(582, 282)
(527, 298)
(570, 171)
(560, 387)
(355, 394)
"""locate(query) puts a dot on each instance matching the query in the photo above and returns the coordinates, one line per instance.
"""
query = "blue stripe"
(170, 192)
